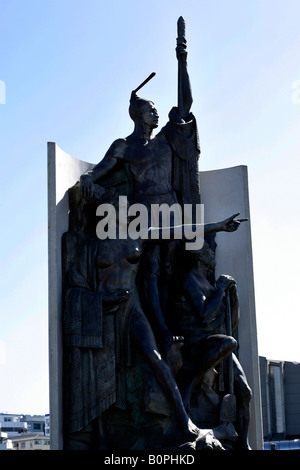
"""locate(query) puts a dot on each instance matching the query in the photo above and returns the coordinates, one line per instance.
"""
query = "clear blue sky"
(69, 67)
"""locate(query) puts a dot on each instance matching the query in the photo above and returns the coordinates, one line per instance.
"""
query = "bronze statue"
(199, 310)
(160, 169)
(121, 324)
(101, 281)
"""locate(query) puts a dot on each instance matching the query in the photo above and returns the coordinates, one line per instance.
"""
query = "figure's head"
(143, 110)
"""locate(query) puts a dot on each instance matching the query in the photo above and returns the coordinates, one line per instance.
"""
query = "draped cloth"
(184, 141)
(89, 384)
(84, 326)
(96, 341)
(89, 359)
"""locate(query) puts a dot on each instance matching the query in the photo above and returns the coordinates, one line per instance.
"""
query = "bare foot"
(201, 439)
(192, 430)
(206, 440)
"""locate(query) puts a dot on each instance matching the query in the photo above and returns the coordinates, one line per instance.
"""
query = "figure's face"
(150, 115)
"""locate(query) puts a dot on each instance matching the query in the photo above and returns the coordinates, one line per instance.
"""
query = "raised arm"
(185, 99)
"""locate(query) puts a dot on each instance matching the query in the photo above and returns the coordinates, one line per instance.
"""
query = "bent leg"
(204, 355)
(153, 301)
(143, 338)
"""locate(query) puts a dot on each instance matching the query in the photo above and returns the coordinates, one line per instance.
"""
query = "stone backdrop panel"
(224, 192)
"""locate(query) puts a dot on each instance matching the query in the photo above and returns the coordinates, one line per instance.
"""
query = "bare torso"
(117, 262)
(150, 165)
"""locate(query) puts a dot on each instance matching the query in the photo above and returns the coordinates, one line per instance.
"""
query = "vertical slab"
(225, 192)
(63, 172)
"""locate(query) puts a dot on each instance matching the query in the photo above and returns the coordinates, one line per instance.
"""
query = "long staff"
(228, 406)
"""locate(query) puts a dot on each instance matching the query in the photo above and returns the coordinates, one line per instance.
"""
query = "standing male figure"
(161, 169)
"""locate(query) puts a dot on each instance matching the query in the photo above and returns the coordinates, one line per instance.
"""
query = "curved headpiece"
(136, 102)
(134, 96)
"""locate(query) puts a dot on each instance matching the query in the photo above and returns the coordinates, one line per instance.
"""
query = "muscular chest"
(151, 160)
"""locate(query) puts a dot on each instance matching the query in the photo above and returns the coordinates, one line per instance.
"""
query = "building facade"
(35, 423)
(5, 444)
(280, 396)
(24, 432)
(31, 441)
(12, 424)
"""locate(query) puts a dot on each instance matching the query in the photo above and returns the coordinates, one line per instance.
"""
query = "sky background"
(67, 68)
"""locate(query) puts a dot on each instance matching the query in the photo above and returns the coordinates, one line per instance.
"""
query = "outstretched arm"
(228, 225)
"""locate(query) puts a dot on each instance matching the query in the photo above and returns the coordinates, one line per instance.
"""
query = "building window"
(23, 445)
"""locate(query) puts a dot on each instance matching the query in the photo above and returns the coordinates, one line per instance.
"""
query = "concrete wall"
(63, 172)
(280, 387)
(265, 397)
(292, 398)
(224, 192)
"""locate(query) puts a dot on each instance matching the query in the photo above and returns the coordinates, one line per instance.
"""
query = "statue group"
(149, 333)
